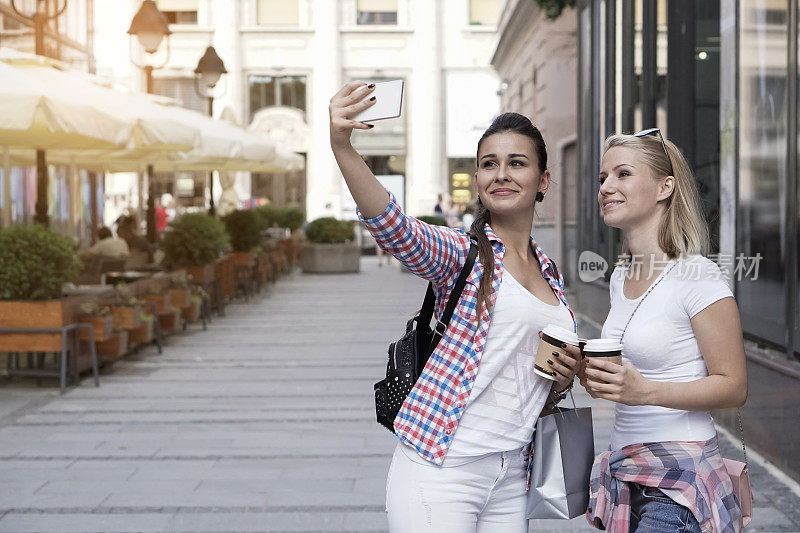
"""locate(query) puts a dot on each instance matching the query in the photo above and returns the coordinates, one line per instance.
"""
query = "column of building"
(323, 176)
(425, 97)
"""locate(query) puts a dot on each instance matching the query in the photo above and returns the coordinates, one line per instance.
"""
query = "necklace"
(648, 291)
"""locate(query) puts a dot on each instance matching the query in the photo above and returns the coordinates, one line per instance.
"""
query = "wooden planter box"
(243, 258)
(102, 325)
(265, 272)
(170, 319)
(201, 274)
(180, 298)
(161, 301)
(224, 269)
(113, 348)
(279, 261)
(330, 258)
(127, 317)
(191, 313)
(143, 334)
(49, 314)
(291, 248)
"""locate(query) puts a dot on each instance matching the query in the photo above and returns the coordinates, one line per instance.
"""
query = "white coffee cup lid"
(602, 345)
(562, 334)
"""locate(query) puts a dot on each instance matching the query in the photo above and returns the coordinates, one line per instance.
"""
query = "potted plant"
(192, 313)
(127, 312)
(291, 218)
(194, 242)
(180, 293)
(331, 248)
(34, 264)
(244, 228)
(99, 317)
(155, 294)
(114, 347)
(145, 332)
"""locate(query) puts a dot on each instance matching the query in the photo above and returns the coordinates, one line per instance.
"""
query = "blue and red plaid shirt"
(429, 417)
(691, 473)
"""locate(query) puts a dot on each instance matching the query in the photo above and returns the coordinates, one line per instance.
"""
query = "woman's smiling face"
(508, 175)
(629, 194)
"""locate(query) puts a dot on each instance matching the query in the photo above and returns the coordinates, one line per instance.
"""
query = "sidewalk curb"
(759, 459)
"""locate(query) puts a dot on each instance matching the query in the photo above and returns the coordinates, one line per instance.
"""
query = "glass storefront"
(763, 172)
(657, 63)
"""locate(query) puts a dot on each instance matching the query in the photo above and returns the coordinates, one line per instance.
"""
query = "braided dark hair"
(507, 122)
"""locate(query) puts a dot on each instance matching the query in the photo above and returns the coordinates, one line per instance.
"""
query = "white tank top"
(508, 396)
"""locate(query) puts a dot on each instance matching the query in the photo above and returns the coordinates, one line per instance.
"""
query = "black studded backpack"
(408, 355)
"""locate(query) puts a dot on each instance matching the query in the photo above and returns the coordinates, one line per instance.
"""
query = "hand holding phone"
(388, 102)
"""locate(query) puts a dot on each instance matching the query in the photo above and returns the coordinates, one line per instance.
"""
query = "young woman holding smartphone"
(465, 428)
(683, 353)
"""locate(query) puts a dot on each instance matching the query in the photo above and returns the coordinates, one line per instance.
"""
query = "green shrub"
(34, 262)
(244, 228)
(328, 230)
(194, 239)
(267, 216)
(291, 217)
(283, 217)
(432, 220)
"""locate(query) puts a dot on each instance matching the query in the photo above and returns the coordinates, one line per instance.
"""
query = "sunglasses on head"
(654, 131)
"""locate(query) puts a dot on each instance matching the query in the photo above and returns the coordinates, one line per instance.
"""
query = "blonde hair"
(683, 229)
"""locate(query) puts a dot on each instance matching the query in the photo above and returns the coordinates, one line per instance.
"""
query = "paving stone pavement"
(262, 423)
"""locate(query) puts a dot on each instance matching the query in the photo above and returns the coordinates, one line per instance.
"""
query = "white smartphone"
(388, 102)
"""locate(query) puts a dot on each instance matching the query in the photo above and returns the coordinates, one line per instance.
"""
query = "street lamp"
(150, 27)
(209, 70)
(40, 18)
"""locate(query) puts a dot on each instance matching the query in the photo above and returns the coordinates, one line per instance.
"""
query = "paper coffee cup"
(552, 337)
(609, 349)
(581, 345)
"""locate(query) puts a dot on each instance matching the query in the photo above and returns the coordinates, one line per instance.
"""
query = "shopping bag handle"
(574, 407)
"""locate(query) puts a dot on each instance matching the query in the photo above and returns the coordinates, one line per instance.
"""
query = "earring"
(539, 196)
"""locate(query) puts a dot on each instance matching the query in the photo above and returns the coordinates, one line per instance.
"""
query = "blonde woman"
(683, 353)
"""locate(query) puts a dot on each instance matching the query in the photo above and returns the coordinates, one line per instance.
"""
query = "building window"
(278, 13)
(183, 90)
(381, 12)
(484, 12)
(179, 11)
(763, 172)
(11, 24)
(268, 91)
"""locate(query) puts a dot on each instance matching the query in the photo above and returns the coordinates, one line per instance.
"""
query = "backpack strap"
(455, 295)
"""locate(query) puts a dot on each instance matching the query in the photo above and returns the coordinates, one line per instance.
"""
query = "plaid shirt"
(429, 417)
(690, 473)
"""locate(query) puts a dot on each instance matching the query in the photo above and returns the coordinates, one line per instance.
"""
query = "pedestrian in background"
(107, 246)
(468, 217)
(465, 428)
(437, 209)
(682, 350)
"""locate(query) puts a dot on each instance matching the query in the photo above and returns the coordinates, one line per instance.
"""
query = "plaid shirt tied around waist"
(691, 473)
(428, 419)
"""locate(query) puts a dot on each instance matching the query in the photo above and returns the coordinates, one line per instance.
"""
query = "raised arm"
(430, 252)
(367, 191)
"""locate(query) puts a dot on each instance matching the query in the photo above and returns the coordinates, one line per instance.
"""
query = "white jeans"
(484, 496)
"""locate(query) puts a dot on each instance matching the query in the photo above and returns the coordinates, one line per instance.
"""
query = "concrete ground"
(262, 423)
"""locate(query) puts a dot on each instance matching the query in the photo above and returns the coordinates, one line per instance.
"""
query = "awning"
(40, 116)
(139, 129)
